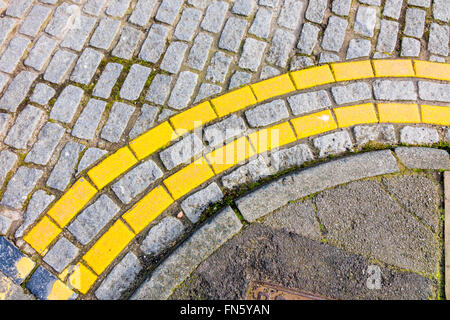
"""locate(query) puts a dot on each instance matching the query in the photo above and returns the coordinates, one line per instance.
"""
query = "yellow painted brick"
(23, 267)
(398, 112)
(233, 101)
(153, 140)
(354, 70)
(112, 167)
(192, 118)
(42, 234)
(313, 124)
(60, 291)
(273, 137)
(393, 68)
(82, 278)
(273, 87)
(108, 247)
(311, 77)
(358, 114)
(188, 178)
(72, 202)
(436, 115)
(147, 209)
(230, 154)
(432, 70)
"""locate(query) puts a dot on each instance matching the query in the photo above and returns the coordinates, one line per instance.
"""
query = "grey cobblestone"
(154, 44)
(119, 279)
(327, 57)
(65, 167)
(183, 90)
(366, 18)
(423, 158)
(291, 157)
(218, 68)
(290, 13)
(17, 90)
(441, 10)
(282, 44)
(232, 34)
(214, 16)
(392, 8)
(207, 90)
(8, 159)
(92, 219)
(173, 57)
(420, 3)
(261, 25)
(18, 8)
(159, 89)
(60, 21)
(117, 121)
(437, 59)
(414, 22)
(20, 186)
(94, 7)
(341, 7)
(418, 135)
(25, 125)
(268, 3)
(333, 143)
(316, 10)
(243, 7)
(107, 80)
(40, 53)
(267, 113)
(87, 123)
(67, 104)
(35, 19)
(253, 171)
(334, 35)
(194, 205)
(353, 92)
(371, 2)
(136, 181)
(117, 8)
(394, 90)
(387, 37)
(308, 38)
(89, 157)
(383, 133)
(42, 94)
(6, 26)
(252, 54)
(59, 66)
(128, 42)
(199, 3)
(308, 102)
(142, 12)
(358, 48)
(239, 78)
(162, 235)
(300, 62)
(3, 80)
(5, 119)
(135, 81)
(181, 152)
(145, 120)
(410, 47)
(61, 254)
(189, 21)
(438, 40)
(47, 140)
(13, 54)
(105, 33)
(433, 91)
(228, 128)
(268, 72)
(168, 11)
(199, 51)
(86, 66)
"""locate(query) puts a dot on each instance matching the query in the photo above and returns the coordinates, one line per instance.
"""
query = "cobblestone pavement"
(105, 159)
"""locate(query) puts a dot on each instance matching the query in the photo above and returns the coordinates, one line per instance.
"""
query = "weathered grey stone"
(243, 7)
(316, 10)
(94, 7)
(268, 3)
(441, 10)
(433, 91)
(194, 205)
(89, 157)
(117, 8)
(47, 140)
(17, 91)
(168, 11)
(333, 143)
(358, 48)
(394, 90)
(119, 279)
(298, 185)
(291, 157)
(39, 201)
(67, 104)
(4, 123)
(40, 53)
(199, 3)
(282, 44)
(214, 16)
(218, 68)
(334, 35)
(392, 8)
(79, 33)
(7, 161)
(268, 72)
(88, 121)
(86, 66)
(26, 124)
(267, 113)
(353, 92)
(20, 186)
(128, 42)
(61, 20)
(182, 262)
(155, 43)
(252, 54)
(18, 8)
(439, 38)
(371, 2)
(105, 33)
(290, 13)
(92, 219)
(189, 21)
(135, 81)
(239, 78)
(6, 26)
(199, 51)
(164, 114)
(261, 24)
(420, 3)
(423, 158)
(142, 12)
(107, 80)
(174, 56)
(410, 47)
(232, 34)
(387, 38)
(117, 121)
(300, 62)
(383, 133)
(183, 90)
(3, 81)
(61, 254)
(308, 38)
(414, 22)
(251, 172)
(145, 120)
(228, 128)
(365, 20)
(159, 89)
(136, 181)
(341, 7)
(437, 59)
(65, 167)
(310, 101)
(207, 90)
(418, 135)
(13, 54)
(327, 57)
(181, 152)
(162, 235)
(42, 94)
(60, 66)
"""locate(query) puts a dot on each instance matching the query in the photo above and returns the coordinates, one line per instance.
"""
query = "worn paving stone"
(105, 33)
(92, 219)
(239, 78)
(168, 11)
(414, 22)
(383, 133)
(282, 44)
(18, 8)
(441, 10)
(136, 181)
(128, 42)
(243, 7)
(189, 21)
(188, 255)
(268, 3)
(13, 54)
(5, 119)
(199, 3)
(199, 51)
(7, 160)
(120, 278)
(232, 34)
(6, 27)
(291, 157)
(332, 144)
(3, 81)
(67, 104)
(420, 3)
(181, 152)
(267, 113)
(117, 121)
(42, 94)
(218, 68)
(59, 66)
(142, 12)
(308, 38)
(394, 90)
(61, 20)
(316, 10)
(371, 2)
(358, 91)
(64, 169)
(392, 9)
(341, 7)
(10, 257)
(159, 89)
(162, 235)
(207, 90)
(214, 16)
(387, 38)
(154, 45)
(94, 7)
(89, 119)
(12, 291)
(228, 128)
(290, 13)
(86, 66)
(194, 205)
(20, 186)
(251, 172)
(252, 54)
(117, 8)
(40, 53)
(173, 57)
(433, 91)
(17, 90)
(365, 20)
(327, 57)
(183, 90)
(439, 39)
(418, 135)
(61, 254)
(410, 47)
(268, 72)
(47, 140)
(134, 82)
(261, 25)
(90, 156)
(107, 80)
(24, 127)
(300, 62)
(423, 158)
(41, 284)
(358, 48)
(79, 33)
(310, 101)
(145, 120)
(334, 34)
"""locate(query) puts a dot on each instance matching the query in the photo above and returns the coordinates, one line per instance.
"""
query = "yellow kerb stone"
(24, 267)
(188, 178)
(346, 71)
(311, 77)
(273, 137)
(398, 112)
(358, 114)
(153, 140)
(60, 291)
(436, 115)
(393, 68)
(233, 101)
(72, 202)
(82, 278)
(192, 118)
(112, 167)
(148, 209)
(432, 70)
(313, 124)
(108, 247)
(273, 87)
(230, 154)
(42, 234)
